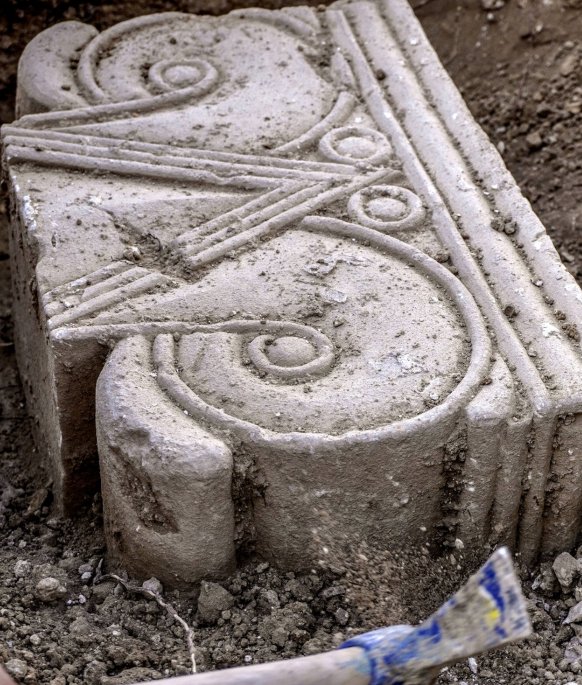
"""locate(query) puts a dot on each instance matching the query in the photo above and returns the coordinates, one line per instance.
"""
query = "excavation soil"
(518, 66)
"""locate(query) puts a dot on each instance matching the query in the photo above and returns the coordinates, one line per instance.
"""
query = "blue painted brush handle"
(388, 651)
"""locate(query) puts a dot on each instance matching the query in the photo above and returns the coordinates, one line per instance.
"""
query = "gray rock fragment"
(16, 667)
(573, 651)
(213, 600)
(342, 616)
(22, 568)
(153, 585)
(268, 600)
(566, 569)
(568, 64)
(94, 672)
(299, 590)
(102, 590)
(546, 581)
(575, 614)
(80, 626)
(534, 141)
(49, 590)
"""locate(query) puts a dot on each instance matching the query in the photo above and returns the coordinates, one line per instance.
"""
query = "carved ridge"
(446, 228)
(76, 153)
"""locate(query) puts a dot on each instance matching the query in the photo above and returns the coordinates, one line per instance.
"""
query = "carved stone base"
(270, 271)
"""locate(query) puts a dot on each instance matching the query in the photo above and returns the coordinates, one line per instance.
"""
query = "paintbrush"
(488, 612)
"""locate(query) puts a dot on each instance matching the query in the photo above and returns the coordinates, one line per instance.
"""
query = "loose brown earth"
(519, 69)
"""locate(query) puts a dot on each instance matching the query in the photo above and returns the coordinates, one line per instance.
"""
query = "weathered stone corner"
(271, 275)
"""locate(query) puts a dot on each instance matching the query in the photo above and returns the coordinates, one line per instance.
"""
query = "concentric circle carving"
(196, 74)
(291, 357)
(386, 208)
(422, 350)
(355, 144)
(150, 64)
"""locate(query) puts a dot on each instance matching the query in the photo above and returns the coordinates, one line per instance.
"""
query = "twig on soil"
(99, 577)
(455, 49)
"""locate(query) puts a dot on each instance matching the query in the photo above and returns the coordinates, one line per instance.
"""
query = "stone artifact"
(268, 268)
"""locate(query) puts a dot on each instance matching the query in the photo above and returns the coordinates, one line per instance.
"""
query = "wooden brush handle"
(342, 667)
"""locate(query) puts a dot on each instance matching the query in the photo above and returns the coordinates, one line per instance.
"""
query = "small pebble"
(534, 141)
(22, 568)
(575, 614)
(566, 569)
(50, 590)
(153, 585)
(16, 667)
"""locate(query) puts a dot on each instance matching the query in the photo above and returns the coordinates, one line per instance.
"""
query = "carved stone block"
(268, 268)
